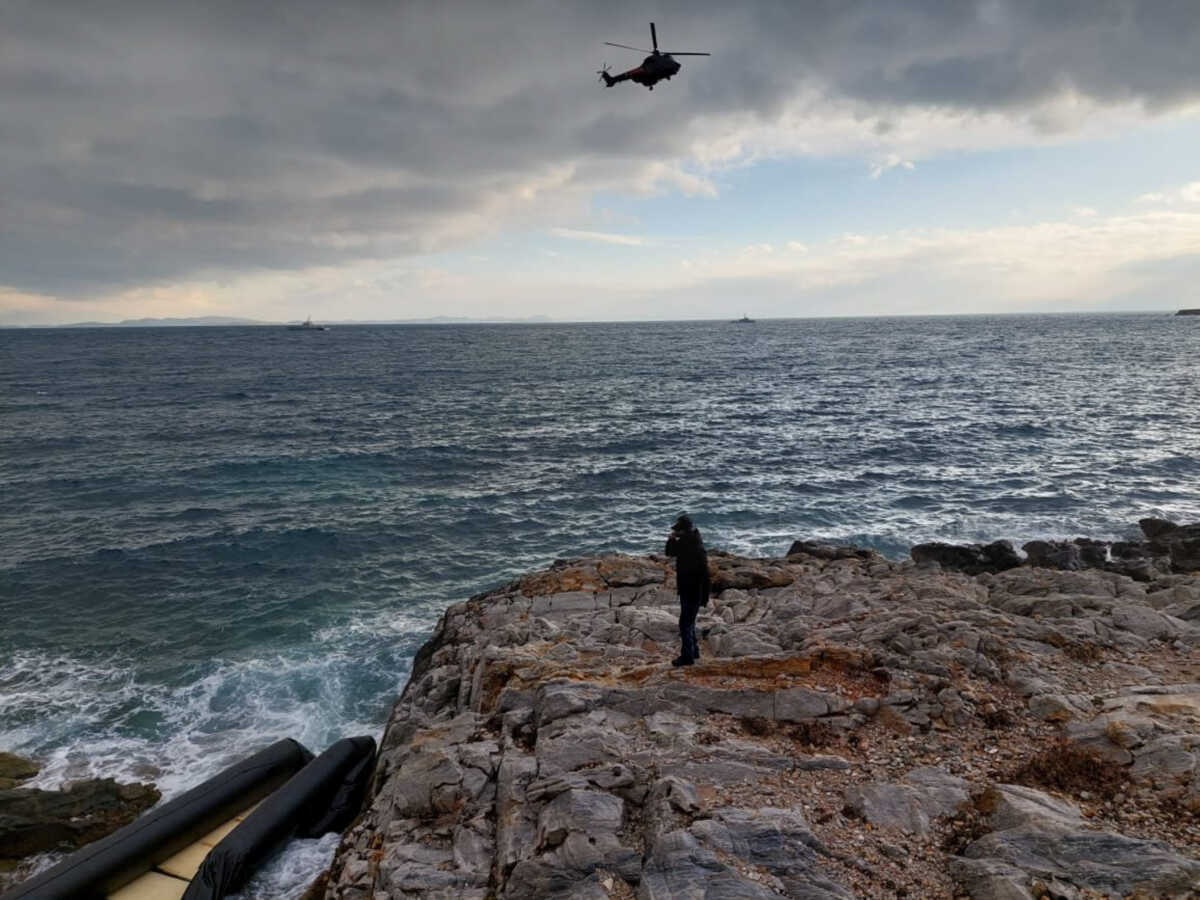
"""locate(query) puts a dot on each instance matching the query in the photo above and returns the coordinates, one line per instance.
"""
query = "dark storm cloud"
(143, 141)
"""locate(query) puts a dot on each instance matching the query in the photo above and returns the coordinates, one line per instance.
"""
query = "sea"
(212, 538)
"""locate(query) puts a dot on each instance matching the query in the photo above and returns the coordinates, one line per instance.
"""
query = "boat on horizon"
(744, 320)
(307, 325)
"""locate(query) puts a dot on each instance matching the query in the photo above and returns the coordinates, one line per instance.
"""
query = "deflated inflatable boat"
(207, 842)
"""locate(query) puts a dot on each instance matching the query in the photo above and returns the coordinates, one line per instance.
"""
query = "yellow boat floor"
(170, 878)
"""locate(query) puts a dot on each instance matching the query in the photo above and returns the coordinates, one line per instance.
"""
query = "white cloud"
(1188, 194)
(599, 237)
(1095, 262)
(811, 123)
(1069, 264)
(891, 161)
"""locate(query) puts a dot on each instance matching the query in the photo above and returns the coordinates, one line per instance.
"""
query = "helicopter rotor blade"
(684, 53)
(626, 47)
(654, 37)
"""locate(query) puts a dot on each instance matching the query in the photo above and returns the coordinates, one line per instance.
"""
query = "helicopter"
(658, 65)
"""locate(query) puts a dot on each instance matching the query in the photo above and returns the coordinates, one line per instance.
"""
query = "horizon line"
(191, 322)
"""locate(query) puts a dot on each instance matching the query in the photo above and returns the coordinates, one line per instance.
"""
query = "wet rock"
(1169, 547)
(1054, 554)
(34, 821)
(972, 559)
(1154, 529)
(15, 769)
(1185, 554)
(1138, 560)
(1093, 554)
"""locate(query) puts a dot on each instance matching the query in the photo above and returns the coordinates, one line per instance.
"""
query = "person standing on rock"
(691, 580)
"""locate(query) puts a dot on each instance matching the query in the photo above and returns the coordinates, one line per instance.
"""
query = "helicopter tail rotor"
(608, 80)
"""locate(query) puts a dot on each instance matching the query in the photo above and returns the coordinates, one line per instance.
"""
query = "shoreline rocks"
(35, 821)
(15, 770)
(855, 727)
(1168, 549)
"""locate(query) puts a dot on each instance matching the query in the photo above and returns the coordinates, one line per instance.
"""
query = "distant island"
(1188, 312)
(202, 321)
(165, 323)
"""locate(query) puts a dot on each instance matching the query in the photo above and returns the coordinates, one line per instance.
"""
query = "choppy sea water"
(211, 538)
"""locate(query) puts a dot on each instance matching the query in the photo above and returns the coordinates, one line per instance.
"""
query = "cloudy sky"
(404, 159)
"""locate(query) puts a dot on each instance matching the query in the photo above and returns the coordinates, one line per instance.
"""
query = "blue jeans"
(688, 607)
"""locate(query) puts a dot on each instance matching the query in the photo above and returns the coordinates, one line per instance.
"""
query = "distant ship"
(744, 320)
(307, 325)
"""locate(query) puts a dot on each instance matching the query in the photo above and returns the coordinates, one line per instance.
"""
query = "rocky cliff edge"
(857, 727)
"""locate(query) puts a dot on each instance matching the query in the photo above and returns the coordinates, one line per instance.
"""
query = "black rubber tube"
(112, 862)
(323, 796)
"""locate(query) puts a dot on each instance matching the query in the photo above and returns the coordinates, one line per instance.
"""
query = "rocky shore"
(968, 723)
(35, 821)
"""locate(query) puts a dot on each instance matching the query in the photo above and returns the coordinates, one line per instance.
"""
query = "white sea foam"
(222, 717)
(80, 720)
(288, 874)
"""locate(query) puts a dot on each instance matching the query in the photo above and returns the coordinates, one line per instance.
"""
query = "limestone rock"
(678, 867)
(1146, 622)
(743, 640)
(544, 746)
(1017, 806)
(991, 879)
(1098, 861)
(925, 794)
(777, 840)
(578, 810)
(1059, 707)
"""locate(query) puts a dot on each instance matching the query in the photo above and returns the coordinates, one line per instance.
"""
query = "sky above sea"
(380, 161)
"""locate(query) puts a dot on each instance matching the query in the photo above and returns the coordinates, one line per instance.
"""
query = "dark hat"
(683, 523)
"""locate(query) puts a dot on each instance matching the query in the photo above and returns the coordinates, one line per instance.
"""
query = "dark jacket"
(691, 564)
